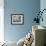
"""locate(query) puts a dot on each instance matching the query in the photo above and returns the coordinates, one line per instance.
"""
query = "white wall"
(1, 20)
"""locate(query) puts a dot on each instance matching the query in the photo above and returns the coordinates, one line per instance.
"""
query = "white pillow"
(21, 42)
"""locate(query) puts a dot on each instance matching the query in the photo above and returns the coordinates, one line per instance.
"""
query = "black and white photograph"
(17, 19)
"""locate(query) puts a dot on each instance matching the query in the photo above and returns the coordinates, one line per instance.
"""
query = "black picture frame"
(17, 19)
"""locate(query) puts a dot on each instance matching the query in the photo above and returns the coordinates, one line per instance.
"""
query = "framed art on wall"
(17, 19)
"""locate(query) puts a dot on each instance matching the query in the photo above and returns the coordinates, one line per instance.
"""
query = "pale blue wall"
(28, 8)
(43, 6)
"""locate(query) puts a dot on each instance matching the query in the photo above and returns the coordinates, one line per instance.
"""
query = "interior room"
(22, 23)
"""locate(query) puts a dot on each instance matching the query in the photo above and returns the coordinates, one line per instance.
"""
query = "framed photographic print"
(17, 19)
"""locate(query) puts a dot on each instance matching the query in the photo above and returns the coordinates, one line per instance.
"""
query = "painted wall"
(43, 6)
(28, 8)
